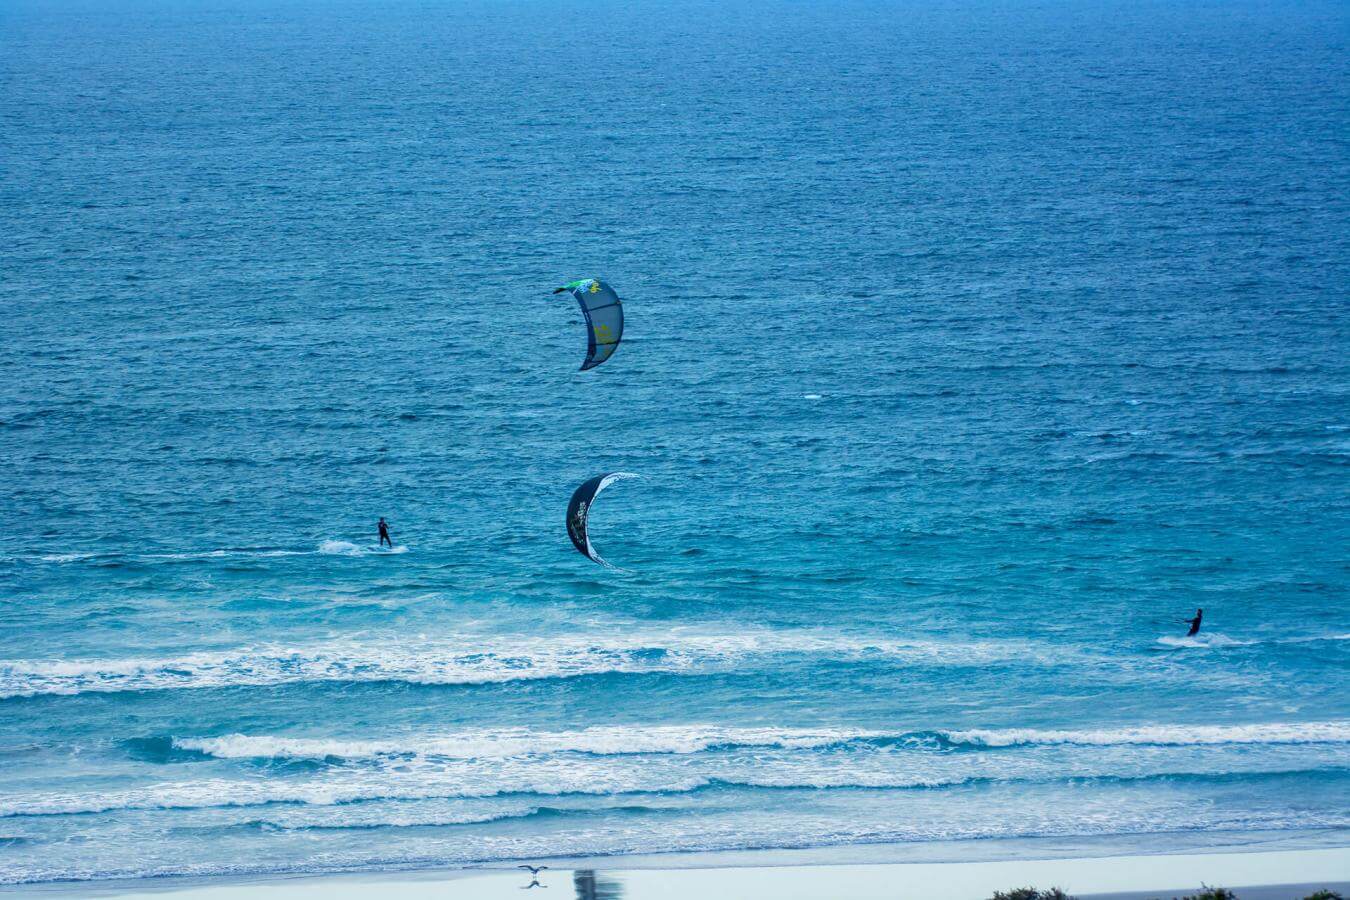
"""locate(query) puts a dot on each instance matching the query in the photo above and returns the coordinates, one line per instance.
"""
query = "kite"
(580, 506)
(604, 318)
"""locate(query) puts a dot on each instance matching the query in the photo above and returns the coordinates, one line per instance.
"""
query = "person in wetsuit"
(384, 534)
(1194, 623)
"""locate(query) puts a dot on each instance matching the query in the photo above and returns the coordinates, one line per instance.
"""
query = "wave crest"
(497, 658)
(620, 740)
(1167, 735)
(599, 741)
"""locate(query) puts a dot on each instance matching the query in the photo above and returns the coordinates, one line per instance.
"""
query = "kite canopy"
(604, 318)
(580, 506)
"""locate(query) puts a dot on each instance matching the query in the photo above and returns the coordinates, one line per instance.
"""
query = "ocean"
(970, 347)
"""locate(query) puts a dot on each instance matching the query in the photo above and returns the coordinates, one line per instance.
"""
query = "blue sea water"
(971, 346)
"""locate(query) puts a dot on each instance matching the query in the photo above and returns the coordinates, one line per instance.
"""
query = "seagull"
(534, 870)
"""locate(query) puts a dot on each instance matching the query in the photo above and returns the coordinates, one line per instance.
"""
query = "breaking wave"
(1166, 735)
(501, 658)
(600, 741)
(689, 739)
(611, 776)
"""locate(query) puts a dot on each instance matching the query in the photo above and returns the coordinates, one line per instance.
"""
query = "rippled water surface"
(970, 347)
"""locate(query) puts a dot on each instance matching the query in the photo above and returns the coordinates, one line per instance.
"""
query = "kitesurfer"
(384, 534)
(1194, 623)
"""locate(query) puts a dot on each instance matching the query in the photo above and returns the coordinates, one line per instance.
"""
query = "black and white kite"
(580, 507)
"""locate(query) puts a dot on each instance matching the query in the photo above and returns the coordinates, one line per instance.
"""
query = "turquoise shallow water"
(970, 347)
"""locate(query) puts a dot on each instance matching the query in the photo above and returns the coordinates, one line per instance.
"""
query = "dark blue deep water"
(971, 346)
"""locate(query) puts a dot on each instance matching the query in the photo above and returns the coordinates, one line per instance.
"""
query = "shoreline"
(817, 874)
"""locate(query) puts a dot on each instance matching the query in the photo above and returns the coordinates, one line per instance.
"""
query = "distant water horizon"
(970, 348)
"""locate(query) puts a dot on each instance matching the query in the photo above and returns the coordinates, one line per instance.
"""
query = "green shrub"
(1208, 893)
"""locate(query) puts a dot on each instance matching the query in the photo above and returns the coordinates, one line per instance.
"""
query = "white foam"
(396, 815)
(1187, 735)
(347, 548)
(623, 740)
(512, 742)
(476, 659)
(222, 554)
(1215, 641)
(1204, 642)
(886, 767)
(342, 548)
(544, 779)
(184, 555)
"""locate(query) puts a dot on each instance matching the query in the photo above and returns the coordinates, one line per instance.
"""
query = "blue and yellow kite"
(604, 318)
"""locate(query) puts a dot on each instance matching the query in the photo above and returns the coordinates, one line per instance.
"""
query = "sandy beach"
(1280, 875)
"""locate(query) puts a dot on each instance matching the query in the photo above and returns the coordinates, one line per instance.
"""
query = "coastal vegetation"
(1207, 893)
